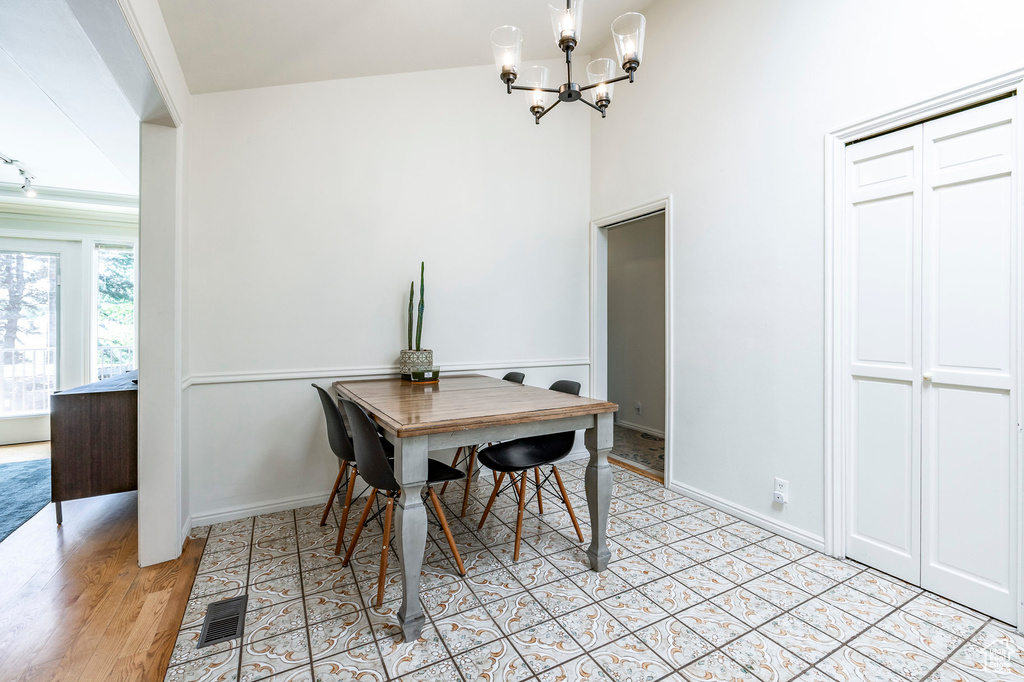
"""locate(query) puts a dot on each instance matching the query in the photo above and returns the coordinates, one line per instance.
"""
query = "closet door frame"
(836, 279)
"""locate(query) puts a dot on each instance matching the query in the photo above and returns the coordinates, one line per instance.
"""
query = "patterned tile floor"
(641, 450)
(692, 594)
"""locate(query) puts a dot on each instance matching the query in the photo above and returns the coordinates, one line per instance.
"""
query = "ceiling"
(65, 116)
(35, 131)
(237, 44)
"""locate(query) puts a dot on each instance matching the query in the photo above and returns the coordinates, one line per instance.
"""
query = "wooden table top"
(461, 403)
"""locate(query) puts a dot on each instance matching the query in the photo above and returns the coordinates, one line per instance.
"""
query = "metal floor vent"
(224, 621)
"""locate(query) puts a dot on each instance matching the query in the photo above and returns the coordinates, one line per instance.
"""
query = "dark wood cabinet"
(94, 439)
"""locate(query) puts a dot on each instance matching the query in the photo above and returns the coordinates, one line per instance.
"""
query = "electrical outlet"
(780, 493)
(638, 407)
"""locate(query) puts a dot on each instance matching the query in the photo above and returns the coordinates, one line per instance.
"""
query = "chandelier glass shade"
(566, 23)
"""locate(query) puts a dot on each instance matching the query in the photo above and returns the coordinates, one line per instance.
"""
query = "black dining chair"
(522, 454)
(341, 445)
(471, 451)
(377, 470)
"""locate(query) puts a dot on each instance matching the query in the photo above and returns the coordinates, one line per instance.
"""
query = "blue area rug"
(24, 490)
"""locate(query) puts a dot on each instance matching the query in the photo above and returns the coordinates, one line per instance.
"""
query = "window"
(28, 331)
(115, 310)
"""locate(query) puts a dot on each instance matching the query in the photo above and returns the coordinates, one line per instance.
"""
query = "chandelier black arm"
(614, 80)
(592, 105)
(541, 114)
(526, 87)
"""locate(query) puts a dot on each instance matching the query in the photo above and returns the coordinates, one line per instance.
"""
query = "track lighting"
(26, 175)
(26, 186)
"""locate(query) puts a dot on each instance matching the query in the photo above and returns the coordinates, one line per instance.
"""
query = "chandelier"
(627, 34)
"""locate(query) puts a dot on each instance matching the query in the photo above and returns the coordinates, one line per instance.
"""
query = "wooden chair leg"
(455, 463)
(334, 491)
(536, 476)
(384, 551)
(469, 479)
(568, 504)
(494, 494)
(447, 531)
(519, 518)
(348, 502)
(359, 530)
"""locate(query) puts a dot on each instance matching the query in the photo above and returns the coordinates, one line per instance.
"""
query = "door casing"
(599, 310)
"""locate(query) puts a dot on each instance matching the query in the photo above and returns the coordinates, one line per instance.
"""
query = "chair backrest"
(515, 377)
(337, 436)
(560, 444)
(371, 459)
(566, 386)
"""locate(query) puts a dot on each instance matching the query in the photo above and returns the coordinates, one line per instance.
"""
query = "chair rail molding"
(364, 372)
(835, 271)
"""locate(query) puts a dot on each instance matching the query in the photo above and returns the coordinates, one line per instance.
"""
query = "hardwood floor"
(74, 604)
(24, 452)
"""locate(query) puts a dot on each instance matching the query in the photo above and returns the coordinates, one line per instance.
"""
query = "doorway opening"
(636, 342)
(631, 334)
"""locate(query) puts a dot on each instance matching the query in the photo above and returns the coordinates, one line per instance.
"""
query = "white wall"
(636, 322)
(728, 115)
(310, 209)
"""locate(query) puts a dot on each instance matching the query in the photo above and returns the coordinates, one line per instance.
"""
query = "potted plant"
(413, 359)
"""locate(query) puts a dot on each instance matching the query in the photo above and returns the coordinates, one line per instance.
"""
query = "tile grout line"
(302, 593)
(567, 574)
(248, 569)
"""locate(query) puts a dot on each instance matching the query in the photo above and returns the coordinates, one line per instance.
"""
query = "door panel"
(884, 488)
(882, 384)
(969, 418)
(884, 276)
(968, 498)
(969, 244)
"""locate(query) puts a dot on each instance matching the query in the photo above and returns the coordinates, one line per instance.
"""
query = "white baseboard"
(642, 429)
(241, 511)
(784, 529)
(186, 530)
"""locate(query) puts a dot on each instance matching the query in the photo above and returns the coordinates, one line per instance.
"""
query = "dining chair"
(377, 470)
(522, 454)
(341, 445)
(471, 452)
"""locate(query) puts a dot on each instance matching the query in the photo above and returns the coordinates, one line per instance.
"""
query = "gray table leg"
(598, 440)
(411, 529)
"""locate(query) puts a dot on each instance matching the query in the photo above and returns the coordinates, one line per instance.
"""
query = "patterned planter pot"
(409, 360)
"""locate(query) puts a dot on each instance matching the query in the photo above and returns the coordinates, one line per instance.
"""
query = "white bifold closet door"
(931, 304)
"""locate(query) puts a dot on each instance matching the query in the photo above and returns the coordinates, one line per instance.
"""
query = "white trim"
(105, 216)
(201, 379)
(758, 519)
(243, 510)
(599, 304)
(185, 531)
(835, 198)
(641, 429)
(151, 61)
(11, 191)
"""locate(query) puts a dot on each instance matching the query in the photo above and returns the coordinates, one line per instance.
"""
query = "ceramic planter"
(409, 360)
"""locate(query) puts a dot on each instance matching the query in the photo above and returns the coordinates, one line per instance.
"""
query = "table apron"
(488, 434)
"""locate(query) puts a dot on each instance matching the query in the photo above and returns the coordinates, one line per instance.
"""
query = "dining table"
(467, 410)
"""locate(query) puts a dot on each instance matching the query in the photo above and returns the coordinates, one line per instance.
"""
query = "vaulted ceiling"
(66, 116)
(236, 44)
